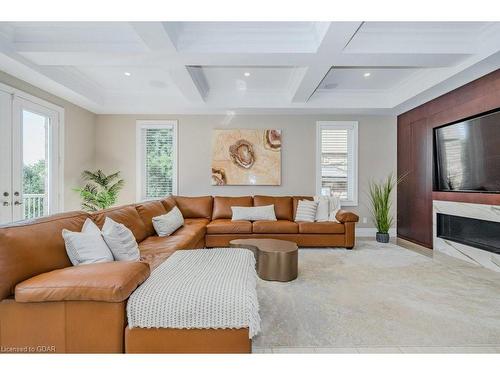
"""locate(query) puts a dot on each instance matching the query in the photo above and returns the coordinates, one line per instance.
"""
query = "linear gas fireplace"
(482, 234)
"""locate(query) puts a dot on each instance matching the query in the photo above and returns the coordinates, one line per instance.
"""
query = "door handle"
(5, 203)
(17, 203)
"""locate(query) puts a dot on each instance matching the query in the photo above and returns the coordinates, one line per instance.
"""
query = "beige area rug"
(380, 295)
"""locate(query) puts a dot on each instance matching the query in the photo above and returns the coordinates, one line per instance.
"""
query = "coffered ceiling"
(249, 67)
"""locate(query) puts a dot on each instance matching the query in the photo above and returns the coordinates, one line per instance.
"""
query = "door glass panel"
(35, 135)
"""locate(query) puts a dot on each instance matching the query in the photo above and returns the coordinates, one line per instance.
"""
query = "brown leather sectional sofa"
(47, 305)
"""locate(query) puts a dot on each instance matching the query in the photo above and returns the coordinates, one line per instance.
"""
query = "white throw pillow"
(306, 211)
(253, 213)
(334, 208)
(323, 210)
(87, 246)
(168, 223)
(120, 240)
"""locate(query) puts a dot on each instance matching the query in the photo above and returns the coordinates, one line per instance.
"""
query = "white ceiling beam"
(54, 47)
(397, 60)
(184, 82)
(154, 36)
(336, 38)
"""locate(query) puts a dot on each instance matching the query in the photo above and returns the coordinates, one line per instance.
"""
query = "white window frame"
(352, 157)
(154, 124)
(57, 148)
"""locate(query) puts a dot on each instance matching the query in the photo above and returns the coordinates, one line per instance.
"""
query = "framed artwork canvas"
(246, 157)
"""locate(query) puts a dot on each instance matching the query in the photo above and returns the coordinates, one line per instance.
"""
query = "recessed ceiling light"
(127, 74)
(367, 74)
(246, 74)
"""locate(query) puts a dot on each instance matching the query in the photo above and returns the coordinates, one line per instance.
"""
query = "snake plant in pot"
(380, 197)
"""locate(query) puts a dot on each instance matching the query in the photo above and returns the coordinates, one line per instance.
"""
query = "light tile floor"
(381, 350)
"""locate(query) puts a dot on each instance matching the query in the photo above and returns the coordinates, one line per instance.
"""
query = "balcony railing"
(34, 205)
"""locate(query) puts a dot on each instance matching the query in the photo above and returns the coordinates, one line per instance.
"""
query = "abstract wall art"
(246, 157)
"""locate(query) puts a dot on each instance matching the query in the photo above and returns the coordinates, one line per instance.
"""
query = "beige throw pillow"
(87, 246)
(168, 223)
(120, 240)
(306, 211)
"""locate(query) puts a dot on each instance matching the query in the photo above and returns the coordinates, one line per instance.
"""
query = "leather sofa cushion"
(185, 237)
(225, 226)
(30, 248)
(147, 211)
(126, 215)
(195, 207)
(346, 216)
(280, 226)
(168, 203)
(295, 202)
(222, 206)
(107, 282)
(321, 227)
(282, 205)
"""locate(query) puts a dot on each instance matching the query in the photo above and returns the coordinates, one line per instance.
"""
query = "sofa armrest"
(105, 282)
(346, 217)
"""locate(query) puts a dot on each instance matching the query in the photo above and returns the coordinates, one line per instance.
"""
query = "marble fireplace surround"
(457, 250)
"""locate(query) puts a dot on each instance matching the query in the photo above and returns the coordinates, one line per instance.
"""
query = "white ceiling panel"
(248, 78)
(365, 78)
(247, 37)
(130, 78)
(418, 37)
(75, 32)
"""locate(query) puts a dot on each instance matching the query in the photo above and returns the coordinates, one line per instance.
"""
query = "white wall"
(79, 138)
(115, 150)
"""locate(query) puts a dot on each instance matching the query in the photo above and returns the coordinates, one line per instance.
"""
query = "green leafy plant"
(100, 191)
(380, 197)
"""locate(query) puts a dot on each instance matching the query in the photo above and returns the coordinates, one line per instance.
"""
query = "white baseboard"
(370, 232)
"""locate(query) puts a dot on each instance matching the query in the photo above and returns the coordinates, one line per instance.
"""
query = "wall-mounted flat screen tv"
(467, 155)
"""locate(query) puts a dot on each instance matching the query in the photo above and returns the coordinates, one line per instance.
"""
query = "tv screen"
(467, 155)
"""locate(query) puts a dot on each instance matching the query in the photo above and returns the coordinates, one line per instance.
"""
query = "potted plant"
(100, 191)
(380, 197)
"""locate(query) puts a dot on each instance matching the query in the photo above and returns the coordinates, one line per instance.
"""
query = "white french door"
(29, 164)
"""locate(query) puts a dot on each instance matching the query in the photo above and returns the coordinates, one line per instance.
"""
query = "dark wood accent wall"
(414, 192)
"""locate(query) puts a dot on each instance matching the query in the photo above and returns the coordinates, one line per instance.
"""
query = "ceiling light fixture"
(127, 74)
(367, 74)
(246, 74)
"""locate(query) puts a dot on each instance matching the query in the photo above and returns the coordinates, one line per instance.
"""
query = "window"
(337, 165)
(157, 159)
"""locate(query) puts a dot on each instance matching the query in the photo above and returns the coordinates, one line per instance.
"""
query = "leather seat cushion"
(195, 207)
(282, 205)
(126, 215)
(227, 226)
(327, 227)
(222, 206)
(107, 282)
(147, 211)
(186, 237)
(279, 226)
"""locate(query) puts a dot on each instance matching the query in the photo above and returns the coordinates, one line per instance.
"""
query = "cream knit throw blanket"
(207, 288)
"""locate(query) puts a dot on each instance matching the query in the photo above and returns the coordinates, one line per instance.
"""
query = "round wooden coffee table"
(277, 260)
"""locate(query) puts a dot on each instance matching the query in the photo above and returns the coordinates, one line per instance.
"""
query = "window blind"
(158, 162)
(334, 162)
